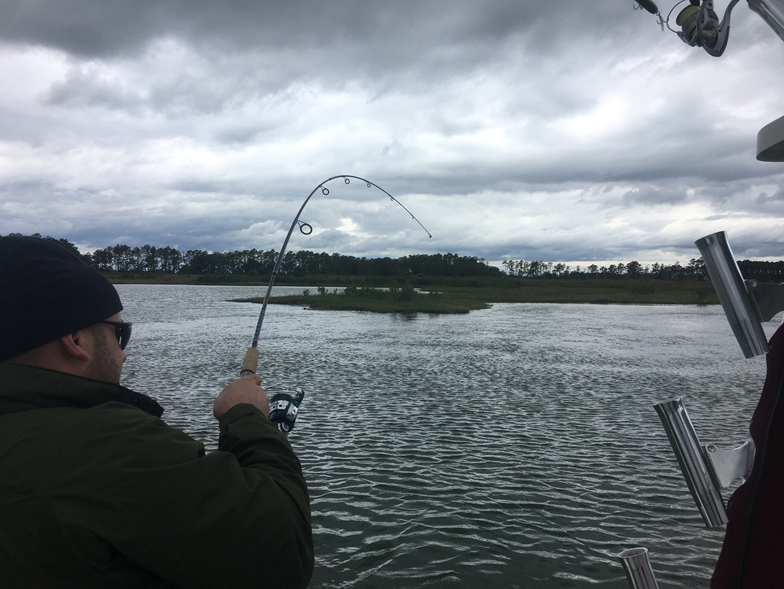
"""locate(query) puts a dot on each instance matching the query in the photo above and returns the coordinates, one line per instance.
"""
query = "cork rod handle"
(251, 362)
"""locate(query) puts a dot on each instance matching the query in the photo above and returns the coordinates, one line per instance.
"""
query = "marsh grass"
(404, 300)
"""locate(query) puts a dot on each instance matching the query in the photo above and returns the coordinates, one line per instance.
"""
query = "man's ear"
(73, 345)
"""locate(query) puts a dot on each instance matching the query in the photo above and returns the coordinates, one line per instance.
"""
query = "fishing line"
(250, 364)
(667, 22)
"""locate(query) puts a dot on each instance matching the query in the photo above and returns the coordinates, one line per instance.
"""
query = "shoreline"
(453, 295)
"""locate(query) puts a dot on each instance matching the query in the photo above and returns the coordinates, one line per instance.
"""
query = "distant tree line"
(694, 270)
(148, 258)
(122, 258)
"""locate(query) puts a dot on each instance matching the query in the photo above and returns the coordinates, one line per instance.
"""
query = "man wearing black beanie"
(95, 489)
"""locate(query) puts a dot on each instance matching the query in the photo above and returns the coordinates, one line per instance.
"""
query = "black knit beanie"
(47, 292)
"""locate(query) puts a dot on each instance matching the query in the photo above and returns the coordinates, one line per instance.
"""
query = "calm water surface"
(511, 447)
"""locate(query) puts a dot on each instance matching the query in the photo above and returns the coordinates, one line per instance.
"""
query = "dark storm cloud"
(270, 45)
(387, 33)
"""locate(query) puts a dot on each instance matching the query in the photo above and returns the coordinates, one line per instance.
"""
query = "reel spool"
(688, 19)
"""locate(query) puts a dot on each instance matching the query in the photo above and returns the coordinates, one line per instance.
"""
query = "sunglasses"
(122, 329)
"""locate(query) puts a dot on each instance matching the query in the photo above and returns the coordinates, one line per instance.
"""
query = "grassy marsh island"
(405, 300)
(451, 298)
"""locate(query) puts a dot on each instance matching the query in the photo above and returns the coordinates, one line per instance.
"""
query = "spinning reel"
(284, 407)
(699, 24)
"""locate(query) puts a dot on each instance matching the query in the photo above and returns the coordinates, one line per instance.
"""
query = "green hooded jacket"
(97, 491)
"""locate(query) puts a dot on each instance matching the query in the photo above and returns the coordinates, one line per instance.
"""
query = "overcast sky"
(558, 130)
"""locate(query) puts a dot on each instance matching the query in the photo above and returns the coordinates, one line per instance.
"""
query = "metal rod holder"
(638, 568)
(739, 306)
(693, 462)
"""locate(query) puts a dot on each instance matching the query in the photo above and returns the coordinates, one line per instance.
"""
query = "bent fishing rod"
(284, 407)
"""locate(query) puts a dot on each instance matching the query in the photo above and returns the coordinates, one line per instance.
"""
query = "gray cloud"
(524, 130)
(126, 27)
